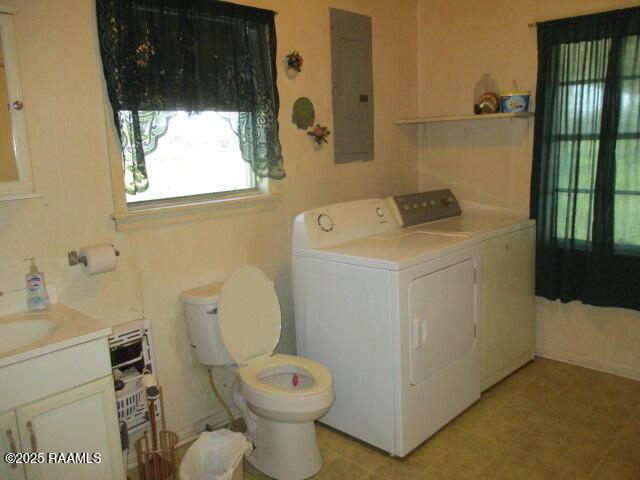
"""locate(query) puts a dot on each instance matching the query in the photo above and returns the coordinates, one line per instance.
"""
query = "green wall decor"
(303, 114)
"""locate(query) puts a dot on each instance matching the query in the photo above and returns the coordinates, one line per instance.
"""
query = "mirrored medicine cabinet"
(16, 179)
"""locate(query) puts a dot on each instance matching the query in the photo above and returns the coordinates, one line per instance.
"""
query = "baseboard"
(589, 362)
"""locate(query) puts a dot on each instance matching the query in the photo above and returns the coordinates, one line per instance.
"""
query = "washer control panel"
(423, 207)
(342, 222)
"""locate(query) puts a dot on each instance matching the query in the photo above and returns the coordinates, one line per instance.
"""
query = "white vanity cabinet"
(78, 420)
(508, 304)
(62, 402)
(9, 443)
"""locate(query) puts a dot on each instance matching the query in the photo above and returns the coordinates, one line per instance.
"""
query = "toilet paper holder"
(75, 259)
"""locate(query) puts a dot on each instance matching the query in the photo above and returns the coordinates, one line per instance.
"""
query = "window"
(194, 98)
(191, 154)
(585, 180)
(579, 96)
(579, 100)
(627, 180)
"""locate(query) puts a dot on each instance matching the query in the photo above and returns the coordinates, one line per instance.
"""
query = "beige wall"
(490, 161)
(63, 91)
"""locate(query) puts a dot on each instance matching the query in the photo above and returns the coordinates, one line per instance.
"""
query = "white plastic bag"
(214, 455)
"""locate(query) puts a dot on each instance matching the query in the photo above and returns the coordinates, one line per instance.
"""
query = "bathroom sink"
(24, 331)
(24, 335)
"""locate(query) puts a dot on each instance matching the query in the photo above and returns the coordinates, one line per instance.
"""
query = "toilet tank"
(201, 313)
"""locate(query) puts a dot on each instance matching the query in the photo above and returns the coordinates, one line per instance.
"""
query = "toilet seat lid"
(249, 316)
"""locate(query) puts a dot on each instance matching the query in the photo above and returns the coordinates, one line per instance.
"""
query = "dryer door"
(442, 319)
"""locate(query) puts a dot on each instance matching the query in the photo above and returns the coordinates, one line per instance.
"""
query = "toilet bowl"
(237, 324)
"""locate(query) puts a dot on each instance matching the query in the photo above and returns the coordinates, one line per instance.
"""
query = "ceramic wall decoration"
(303, 113)
(319, 134)
(293, 62)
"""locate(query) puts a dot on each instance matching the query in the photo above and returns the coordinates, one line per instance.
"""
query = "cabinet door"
(508, 304)
(9, 442)
(83, 419)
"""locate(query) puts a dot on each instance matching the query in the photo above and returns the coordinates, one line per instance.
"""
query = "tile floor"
(547, 421)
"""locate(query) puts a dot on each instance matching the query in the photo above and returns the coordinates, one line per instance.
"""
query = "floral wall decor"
(319, 134)
(293, 62)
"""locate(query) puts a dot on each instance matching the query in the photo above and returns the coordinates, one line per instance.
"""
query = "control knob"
(325, 222)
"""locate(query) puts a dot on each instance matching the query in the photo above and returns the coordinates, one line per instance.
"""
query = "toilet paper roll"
(100, 258)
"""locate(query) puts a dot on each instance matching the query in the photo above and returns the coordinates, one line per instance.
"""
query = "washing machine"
(393, 312)
(507, 293)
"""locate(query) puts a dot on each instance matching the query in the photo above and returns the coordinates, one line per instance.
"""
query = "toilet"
(237, 324)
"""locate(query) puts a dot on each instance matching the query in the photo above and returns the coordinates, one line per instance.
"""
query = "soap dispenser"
(37, 296)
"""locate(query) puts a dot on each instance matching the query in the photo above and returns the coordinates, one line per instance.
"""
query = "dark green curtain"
(162, 56)
(585, 192)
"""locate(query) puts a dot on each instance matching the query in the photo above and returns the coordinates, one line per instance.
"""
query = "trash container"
(215, 455)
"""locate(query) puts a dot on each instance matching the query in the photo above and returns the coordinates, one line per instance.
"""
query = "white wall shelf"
(452, 118)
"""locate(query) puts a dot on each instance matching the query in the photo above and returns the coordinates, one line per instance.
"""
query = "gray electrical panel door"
(352, 79)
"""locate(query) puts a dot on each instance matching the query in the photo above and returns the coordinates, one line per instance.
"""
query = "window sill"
(144, 217)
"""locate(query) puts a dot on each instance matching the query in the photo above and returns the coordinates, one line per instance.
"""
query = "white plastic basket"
(130, 401)
(131, 404)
